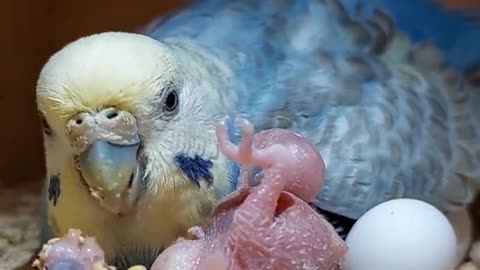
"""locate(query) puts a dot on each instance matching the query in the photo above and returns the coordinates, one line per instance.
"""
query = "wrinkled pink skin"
(71, 249)
(300, 165)
(269, 226)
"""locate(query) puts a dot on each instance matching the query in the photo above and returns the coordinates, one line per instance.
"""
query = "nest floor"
(19, 225)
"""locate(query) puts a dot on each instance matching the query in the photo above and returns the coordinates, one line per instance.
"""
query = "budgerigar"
(129, 119)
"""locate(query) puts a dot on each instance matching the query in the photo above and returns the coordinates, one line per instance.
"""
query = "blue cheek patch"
(54, 189)
(196, 168)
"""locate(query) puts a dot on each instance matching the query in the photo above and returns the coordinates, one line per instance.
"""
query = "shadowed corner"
(341, 224)
(22, 164)
(470, 6)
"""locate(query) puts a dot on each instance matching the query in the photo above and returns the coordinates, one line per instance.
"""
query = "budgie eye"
(45, 126)
(170, 102)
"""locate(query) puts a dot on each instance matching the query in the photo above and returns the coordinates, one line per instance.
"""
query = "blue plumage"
(456, 32)
(195, 168)
(384, 112)
(390, 118)
(211, 23)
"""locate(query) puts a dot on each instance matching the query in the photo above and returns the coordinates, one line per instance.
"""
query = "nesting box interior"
(31, 31)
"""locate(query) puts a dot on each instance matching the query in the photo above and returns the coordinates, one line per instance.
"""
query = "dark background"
(30, 31)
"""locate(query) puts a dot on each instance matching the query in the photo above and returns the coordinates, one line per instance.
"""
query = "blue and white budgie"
(129, 118)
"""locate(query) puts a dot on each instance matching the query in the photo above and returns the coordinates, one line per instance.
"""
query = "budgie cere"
(129, 118)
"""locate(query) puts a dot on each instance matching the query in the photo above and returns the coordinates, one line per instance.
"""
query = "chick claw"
(241, 153)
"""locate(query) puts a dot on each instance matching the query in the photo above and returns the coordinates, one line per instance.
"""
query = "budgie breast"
(390, 117)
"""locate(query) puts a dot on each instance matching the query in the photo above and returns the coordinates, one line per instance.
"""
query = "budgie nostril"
(105, 145)
(110, 114)
(79, 123)
(113, 125)
(66, 265)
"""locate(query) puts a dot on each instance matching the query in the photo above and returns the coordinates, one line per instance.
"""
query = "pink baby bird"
(269, 226)
(73, 252)
(264, 226)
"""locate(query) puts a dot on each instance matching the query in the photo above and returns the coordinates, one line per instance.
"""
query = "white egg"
(401, 234)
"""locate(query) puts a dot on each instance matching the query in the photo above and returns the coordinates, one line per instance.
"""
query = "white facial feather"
(108, 67)
(129, 71)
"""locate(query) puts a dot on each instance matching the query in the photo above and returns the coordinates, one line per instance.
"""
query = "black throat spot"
(54, 189)
(196, 168)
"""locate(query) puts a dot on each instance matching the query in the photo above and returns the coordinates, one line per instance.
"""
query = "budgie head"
(127, 119)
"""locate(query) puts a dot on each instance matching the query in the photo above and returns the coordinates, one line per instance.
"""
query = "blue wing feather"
(454, 31)
(329, 72)
(211, 22)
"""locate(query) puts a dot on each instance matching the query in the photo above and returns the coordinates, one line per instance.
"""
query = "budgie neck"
(454, 31)
(206, 72)
(249, 42)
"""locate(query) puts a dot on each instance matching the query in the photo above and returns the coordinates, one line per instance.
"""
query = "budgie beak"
(106, 145)
(110, 171)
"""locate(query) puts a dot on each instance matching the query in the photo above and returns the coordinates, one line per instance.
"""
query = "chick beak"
(111, 172)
